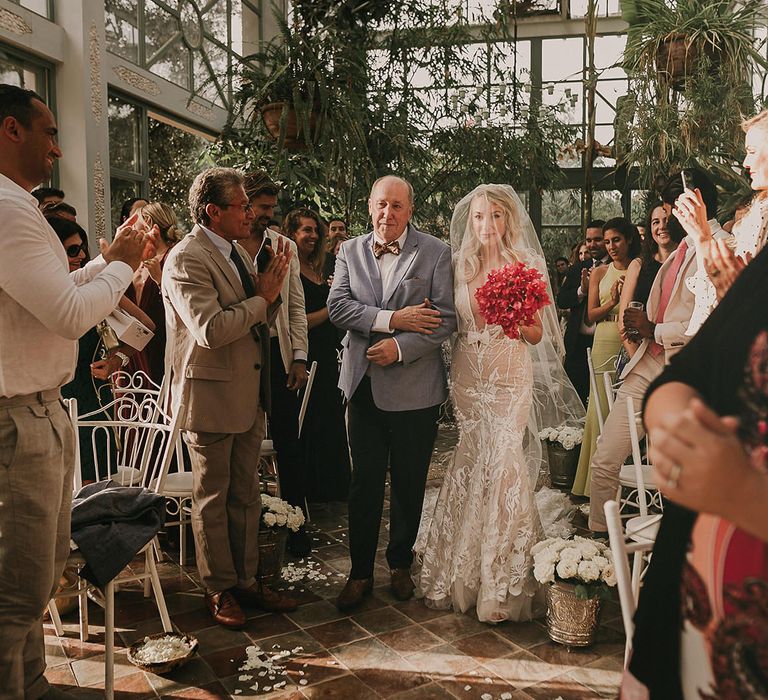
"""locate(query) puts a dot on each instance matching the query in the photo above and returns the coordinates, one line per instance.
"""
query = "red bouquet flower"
(511, 297)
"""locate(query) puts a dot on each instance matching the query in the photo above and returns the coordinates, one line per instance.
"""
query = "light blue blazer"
(423, 269)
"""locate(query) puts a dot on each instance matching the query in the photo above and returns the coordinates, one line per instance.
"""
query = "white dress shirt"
(44, 308)
(224, 246)
(386, 265)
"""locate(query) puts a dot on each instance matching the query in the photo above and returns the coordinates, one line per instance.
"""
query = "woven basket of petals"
(161, 653)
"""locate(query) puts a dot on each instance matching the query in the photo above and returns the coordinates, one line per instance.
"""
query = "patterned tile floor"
(387, 649)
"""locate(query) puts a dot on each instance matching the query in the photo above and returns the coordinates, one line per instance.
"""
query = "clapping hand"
(130, 245)
(722, 265)
(269, 283)
(699, 461)
(616, 290)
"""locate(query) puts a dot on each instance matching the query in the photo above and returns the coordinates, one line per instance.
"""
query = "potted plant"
(562, 453)
(690, 65)
(579, 574)
(673, 37)
(277, 517)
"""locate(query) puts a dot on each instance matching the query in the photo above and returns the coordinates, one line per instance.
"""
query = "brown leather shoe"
(224, 609)
(402, 583)
(263, 597)
(353, 593)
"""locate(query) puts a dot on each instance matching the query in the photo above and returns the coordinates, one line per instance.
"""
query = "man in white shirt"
(44, 309)
(287, 352)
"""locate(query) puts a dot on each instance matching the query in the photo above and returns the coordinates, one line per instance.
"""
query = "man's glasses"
(74, 250)
(247, 208)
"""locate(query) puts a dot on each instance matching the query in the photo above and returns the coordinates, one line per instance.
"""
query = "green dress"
(605, 347)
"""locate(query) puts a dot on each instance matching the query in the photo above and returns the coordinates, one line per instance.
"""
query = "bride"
(476, 550)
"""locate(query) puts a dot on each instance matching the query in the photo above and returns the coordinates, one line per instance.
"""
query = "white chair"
(144, 441)
(636, 477)
(628, 585)
(596, 375)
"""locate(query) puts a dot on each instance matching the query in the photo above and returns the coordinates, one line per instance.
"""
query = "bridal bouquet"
(585, 563)
(275, 512)
(566, 435)
(511, 296)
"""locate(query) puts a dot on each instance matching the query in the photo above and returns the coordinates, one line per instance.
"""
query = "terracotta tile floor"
(387, 649)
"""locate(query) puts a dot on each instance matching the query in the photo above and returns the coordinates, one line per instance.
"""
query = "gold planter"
(571, 620)
(272, 543)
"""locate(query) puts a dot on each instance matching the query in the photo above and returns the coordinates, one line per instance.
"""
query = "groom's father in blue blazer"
(393, 294)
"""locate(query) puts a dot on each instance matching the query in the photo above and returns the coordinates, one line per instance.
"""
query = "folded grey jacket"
(111, 524)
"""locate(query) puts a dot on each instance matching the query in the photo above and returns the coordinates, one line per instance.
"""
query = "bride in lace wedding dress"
(475, 552)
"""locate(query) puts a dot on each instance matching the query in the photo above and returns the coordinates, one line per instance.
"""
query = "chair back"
(307, 392)
(621, 550)
(637, 459)
(596, 375)
(132, 439)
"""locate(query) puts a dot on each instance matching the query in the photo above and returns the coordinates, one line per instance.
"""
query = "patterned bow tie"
(380, 249)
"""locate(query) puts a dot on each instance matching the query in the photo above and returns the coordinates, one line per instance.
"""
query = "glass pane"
(124, 143)
(608, 55)
(606, 204)
(166, 54)
(174, 160)
(562, 59)
(503, 60)
(605, 8)
(38, 6)
(205, 85)
(215, 19)
(608, 92)
(568, 96)
(561, 207)
(121, 24)
(15, 72)
(120, 191)
(604, 136)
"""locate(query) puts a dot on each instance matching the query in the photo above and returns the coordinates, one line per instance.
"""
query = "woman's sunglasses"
(74, 250)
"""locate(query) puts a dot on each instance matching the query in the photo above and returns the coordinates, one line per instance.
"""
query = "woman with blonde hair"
(476, 551)
(145, 290)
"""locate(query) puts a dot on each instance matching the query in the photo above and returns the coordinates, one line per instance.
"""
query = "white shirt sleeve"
(33, 275)
(381, 322)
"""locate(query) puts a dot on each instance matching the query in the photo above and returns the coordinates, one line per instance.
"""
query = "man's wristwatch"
(124, 359)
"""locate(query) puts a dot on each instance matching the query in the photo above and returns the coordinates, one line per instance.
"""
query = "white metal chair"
(596, 378)
(627, 583)
(144, 441)
(636, 477)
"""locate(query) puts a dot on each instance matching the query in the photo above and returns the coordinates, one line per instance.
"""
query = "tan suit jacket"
(291, 320)
(214, 357)
(671, 334)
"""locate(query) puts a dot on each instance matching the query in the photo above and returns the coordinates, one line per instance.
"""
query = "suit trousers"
(576, 364)
(615, 445)
(284, 429)
(226, 504)
(37, 456)
(402, 441)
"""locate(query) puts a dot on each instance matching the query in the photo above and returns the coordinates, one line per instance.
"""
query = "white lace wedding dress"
(475, 551)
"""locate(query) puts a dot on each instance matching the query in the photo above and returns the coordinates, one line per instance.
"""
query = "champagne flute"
(633, 333)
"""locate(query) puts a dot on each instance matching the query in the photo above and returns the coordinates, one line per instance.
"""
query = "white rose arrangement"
(568, 436)
(275, 512)
(586, 563)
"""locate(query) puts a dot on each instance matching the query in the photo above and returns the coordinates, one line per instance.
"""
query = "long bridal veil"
(555, 401)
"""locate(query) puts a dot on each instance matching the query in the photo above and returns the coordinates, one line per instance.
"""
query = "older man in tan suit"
(663, 331)
(216, 309)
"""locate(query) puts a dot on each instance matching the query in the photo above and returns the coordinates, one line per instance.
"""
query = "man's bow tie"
(380, 249)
